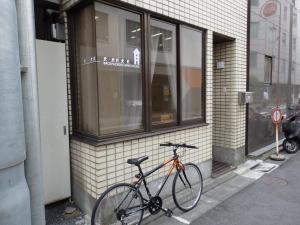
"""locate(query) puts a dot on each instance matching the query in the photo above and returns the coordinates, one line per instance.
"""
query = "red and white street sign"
(276, 115)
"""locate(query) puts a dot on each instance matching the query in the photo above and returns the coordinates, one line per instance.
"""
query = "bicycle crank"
(154, 205)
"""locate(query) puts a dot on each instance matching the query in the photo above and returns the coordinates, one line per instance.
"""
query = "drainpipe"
(33, 171)
(14, 193)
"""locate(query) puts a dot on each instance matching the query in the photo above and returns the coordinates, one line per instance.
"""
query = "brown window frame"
(149, 129)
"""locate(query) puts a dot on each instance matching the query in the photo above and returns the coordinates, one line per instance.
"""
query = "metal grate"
(220, 168)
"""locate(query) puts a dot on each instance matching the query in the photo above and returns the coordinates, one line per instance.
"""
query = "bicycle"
(124, 203)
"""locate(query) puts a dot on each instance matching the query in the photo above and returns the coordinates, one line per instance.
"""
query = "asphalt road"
(274, 199)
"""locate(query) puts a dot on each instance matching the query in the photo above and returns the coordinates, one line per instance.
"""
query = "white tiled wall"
(228, 116)
(95, 168)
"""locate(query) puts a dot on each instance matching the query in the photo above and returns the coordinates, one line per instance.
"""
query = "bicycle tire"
(194, 180)
(110, 216)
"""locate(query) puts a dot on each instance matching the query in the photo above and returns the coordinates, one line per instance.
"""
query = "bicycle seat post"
(174, 151)
(140, 170)
(144, 181)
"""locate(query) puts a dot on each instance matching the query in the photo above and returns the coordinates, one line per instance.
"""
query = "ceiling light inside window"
(133, 31)
(154, 35)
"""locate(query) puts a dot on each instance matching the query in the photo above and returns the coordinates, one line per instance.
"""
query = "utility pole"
(33, 168)
(14, 193)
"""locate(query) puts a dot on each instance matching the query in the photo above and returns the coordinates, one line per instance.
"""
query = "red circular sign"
(269, 9)
(276, 115)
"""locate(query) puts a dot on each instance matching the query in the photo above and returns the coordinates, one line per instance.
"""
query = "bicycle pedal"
(168, 213)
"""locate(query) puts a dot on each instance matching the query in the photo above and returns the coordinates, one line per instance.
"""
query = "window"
(268, 70)
(109, 77)
(254, 28)
(119, 74)
(191, 73)
(163, 72)
(284, 39)
(119, 88)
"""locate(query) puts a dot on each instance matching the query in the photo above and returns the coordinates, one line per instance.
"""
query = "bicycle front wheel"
(121, 204)
(187, 187)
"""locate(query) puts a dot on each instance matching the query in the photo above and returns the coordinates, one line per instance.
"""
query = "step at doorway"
(220, 168)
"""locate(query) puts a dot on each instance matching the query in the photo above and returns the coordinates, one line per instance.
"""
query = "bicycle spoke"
(119, 206)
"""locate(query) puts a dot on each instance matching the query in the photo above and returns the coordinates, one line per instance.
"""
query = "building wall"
(223, 128)
(96, 168)
(284, 90)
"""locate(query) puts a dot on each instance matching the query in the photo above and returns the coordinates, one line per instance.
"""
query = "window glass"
(191, 73)
(107, 70)
(254, 2)
(268, 70)
(86, 72)
(163, 72)
(119, 70)
(254, 28)
(253, 59)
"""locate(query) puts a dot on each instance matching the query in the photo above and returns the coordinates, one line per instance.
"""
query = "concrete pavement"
(249, 198)
(274, 199)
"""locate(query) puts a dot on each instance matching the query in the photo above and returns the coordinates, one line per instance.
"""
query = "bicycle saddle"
(137, 161)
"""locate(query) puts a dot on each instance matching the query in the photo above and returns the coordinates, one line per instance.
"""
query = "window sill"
(99, 142)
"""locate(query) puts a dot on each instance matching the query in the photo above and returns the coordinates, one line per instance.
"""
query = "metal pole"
(278, 63)
(277, 139)
(277, 156)
(14, 193)
(25, 13)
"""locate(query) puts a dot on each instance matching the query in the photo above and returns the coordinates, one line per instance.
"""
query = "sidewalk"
(252, 197)
(245, 196)
(272, 200)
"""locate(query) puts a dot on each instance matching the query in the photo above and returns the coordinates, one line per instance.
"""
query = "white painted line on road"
(181, 220)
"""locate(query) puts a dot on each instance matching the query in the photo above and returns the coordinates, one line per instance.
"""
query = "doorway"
(223, 69)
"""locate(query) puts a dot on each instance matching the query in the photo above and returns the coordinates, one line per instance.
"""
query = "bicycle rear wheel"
(121, 204)
(187, 187)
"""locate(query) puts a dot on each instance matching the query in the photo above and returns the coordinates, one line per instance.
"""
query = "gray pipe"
(33, 172)
(14, 194)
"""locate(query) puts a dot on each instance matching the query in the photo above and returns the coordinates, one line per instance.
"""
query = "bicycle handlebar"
(169, 144)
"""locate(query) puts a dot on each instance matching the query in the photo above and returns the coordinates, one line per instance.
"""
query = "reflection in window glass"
(284, 38)
(253, 59)
(268, 70)
(254, 28)
(86, 73)
(191, 73)
(102, 35)
(133, 33)
(163, 72)
(254, 2)
(119, 71)
(285, 13)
